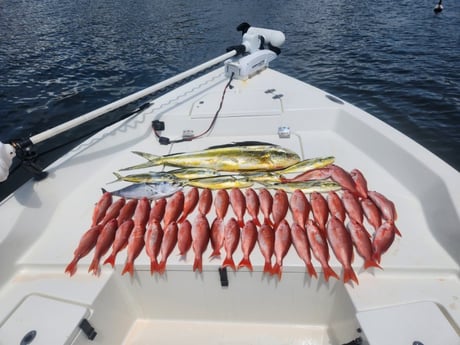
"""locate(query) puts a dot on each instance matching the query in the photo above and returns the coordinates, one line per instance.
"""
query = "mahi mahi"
(233, 158)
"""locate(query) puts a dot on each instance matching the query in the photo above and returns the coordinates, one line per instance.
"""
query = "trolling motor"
(260, 46)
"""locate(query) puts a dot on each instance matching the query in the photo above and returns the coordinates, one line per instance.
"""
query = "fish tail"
(110, 260)
(198, 264)
(154, 267)
(397, 232)
(277, 270)
(245, 262)
(241, 223)
(256, 221)
(376, 257)
(228, 262)
(182, 218)
(329, 272)
(129, 267)
(349, 274)
(268, 267)
(215, 252)
(162, 267)
(118, 177)
(371, 263)
(268, 221)
(72, 267)
(94, 266)
(311, 270)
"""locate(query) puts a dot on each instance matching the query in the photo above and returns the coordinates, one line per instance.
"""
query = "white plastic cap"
(7, 153)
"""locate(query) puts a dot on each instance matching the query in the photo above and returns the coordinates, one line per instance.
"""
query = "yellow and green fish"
(231, 158)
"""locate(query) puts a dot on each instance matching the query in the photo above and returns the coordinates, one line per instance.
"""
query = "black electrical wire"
(164, 140)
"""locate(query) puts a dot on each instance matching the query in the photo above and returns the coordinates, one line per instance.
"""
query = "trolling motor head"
(258, 47)
(268, 38)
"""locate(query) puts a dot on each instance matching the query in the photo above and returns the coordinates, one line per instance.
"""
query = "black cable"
(165, 141)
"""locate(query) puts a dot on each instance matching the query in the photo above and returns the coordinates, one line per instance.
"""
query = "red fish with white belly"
(282, 244)
(280, 207)
(302, 247)
(253, 205)
(184, 237)
(113, 211)
(320, 210)
(200, 239)
(153, 239)
(136, 239)
(352, 206)
(221, 203)
(266, 205)
(320, 248)
(238, 203)
(120, 241)
(86, 244)
(248, 242)
(340, 240)
(174, 208)
(167, 245)
(362, 242)
(335, 205)
(382, 240)
(300, 207)
(217, 236)
(360, 182)
(104, 241)
(127, 211)
(205, 201)
(101, 207)
(231, 240)
(191, 200)
(372, 213)
(266, 241)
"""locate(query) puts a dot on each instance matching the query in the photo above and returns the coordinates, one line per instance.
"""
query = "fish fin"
(241, 223)
(182, 218)
(371, 263)
(94, 267)
(268, 267)
(245, 262)
(349, 274)
(129, 267)
(72, 267)
(276, 269)
(161, 268)
(110, 260)
(329, 272)
(198, 264)
(154, 266)
(397, 232)
(228, 262)
(311, 270)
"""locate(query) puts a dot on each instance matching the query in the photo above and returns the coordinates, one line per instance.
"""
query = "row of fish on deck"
(329, 208)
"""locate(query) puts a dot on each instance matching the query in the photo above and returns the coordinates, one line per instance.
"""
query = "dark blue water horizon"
(397, 60)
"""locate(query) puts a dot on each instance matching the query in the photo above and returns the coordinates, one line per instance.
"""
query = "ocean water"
(395, 59)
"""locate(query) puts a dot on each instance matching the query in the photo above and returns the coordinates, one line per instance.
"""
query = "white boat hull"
(42, 223)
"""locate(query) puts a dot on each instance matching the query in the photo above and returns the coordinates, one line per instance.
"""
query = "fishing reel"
(259, 47)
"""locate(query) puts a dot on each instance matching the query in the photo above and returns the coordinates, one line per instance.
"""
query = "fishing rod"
(254, 40)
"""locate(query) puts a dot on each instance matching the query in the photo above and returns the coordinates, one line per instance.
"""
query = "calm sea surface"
(395, 59)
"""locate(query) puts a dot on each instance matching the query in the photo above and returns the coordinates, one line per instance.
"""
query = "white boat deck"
(43, 221)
